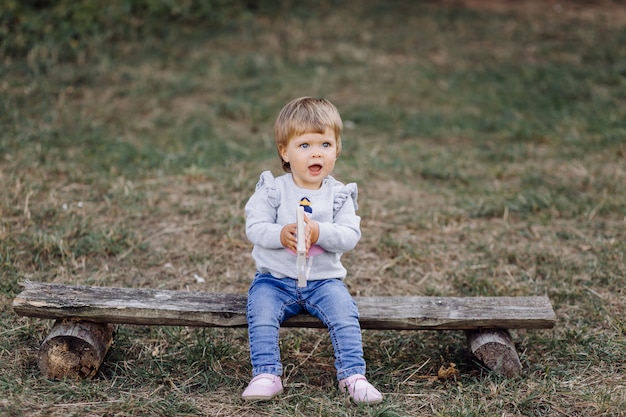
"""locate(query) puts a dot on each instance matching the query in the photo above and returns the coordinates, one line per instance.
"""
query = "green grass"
(488, 142)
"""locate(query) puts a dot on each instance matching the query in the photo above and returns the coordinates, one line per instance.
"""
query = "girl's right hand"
(288, 237)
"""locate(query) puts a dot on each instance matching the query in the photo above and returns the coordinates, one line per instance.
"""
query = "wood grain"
(180, 308)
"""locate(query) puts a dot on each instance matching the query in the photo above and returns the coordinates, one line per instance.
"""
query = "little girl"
(308, 139)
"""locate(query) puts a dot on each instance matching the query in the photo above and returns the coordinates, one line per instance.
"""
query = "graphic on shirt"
(315, 249)
(306, 203)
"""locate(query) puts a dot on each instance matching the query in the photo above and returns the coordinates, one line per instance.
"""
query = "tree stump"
(74, 349)
(496, 350)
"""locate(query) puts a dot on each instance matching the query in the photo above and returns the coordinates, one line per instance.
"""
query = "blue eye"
(304, 145)
(326, 145)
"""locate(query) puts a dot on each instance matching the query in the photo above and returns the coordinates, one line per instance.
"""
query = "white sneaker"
(263, 387)
(361, 391)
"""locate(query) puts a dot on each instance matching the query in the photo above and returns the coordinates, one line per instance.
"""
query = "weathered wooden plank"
(180, 308)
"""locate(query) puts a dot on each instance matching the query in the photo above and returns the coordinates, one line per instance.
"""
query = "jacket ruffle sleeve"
(342, 193)
(267, 186)
(261, 227)
(343, 233)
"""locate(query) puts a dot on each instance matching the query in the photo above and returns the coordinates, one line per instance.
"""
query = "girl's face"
(312, 157)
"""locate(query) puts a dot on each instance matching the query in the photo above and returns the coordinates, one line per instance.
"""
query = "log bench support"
(85, 318)
(74, 349)
(495, 349)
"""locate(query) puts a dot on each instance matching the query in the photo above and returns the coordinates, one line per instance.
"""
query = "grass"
(488, 144)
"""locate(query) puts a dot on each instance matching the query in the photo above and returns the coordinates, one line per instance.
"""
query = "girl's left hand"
(312, 230)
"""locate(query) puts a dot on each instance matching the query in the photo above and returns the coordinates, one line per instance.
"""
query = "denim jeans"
(273, 300)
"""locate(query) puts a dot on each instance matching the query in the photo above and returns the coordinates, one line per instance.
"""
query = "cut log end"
(496, 350)
(74, 350)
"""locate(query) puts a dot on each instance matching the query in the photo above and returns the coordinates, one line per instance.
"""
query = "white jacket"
(274, 205)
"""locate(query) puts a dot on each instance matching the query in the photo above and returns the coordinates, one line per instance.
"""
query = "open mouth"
(315, 169)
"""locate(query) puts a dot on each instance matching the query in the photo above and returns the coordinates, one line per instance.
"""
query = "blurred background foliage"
(67, 26)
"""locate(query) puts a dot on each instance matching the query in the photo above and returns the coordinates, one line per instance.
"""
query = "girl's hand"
(288, 237)
(312, 232)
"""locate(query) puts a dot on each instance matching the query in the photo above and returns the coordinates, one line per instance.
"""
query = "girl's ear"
(283, 153)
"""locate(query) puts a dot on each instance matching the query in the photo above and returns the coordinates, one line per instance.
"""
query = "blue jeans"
(272, 300)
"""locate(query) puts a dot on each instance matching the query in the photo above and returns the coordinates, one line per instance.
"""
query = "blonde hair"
(306, 115)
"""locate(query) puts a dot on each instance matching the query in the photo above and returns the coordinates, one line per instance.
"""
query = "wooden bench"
(85, 318)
